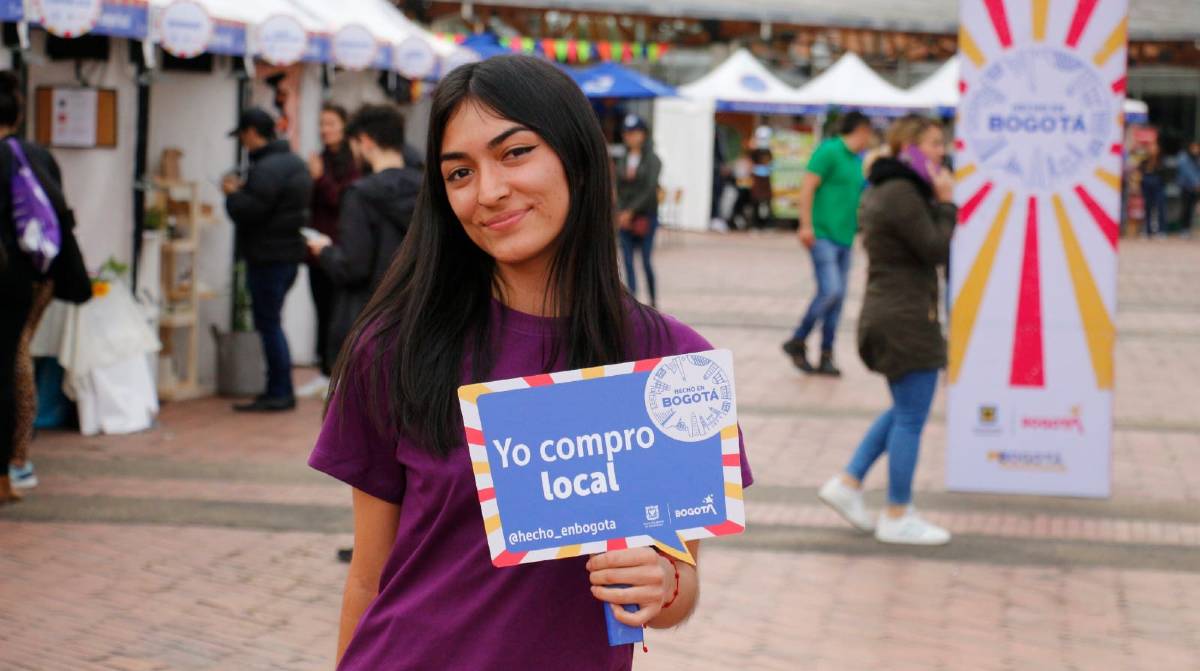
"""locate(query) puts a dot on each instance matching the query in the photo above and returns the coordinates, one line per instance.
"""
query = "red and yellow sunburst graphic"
(1039, 151)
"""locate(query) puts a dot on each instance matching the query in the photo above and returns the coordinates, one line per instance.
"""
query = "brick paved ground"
(207, 544)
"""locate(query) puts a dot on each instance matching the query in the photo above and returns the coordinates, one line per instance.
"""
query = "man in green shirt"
(828, 207)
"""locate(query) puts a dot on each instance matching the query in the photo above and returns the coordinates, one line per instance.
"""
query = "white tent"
(940, 89)
(852, 83)
(742, 84)
(378, 16)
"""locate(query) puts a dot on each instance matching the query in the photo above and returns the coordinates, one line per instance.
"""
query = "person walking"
(828, 205)
(1154, 192)
(268, 209)
(908, 217)
(637, 202)
(509, 268)
(333, 170)
(1189, 185)
(39, 255)
(376, 211)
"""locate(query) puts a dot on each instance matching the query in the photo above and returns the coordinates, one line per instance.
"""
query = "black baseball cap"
(258, 119)
(633, 122)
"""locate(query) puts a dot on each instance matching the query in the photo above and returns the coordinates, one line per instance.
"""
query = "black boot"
(827, 367)
(796, 350)
(267, 404)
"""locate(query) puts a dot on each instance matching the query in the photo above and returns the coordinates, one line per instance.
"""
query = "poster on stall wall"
(1034, 257)
(791, 150)
(74, 117)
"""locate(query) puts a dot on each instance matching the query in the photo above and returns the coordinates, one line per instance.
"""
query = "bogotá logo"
(688, 397)
(1038, 118)
(706, 507)
(1071, 423)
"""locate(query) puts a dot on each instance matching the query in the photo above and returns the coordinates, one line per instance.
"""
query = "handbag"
(638, 226)
(44, 227)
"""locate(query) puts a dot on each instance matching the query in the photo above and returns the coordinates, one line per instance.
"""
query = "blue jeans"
(269, 284)
(831, 264)
(898, 431)
(629, 243)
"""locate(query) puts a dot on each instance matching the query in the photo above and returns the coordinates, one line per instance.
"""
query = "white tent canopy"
(940, 91)
(378, 16)
(253, 13)
(742, 84)
(852, 83)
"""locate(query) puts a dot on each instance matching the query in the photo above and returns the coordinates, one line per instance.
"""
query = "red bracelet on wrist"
(674, 565)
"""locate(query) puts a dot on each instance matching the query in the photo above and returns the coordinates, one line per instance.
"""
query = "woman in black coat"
(21, 278)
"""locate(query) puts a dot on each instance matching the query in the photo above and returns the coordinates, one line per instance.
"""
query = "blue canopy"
(485, 44)
(612, 80)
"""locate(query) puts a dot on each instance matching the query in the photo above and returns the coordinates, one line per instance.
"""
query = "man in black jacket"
(376, 211)
(269, 208)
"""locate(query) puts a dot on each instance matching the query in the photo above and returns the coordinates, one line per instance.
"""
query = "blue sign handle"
(620, 633)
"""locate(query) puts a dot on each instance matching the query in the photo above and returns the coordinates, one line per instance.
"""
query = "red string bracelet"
(674, 565)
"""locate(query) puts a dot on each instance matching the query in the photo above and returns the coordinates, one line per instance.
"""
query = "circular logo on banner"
(753, 83)
(185, 28)
(67, 18)
(281, 40)
(354, 47)
(414, 58)
(688, 397)
(1038, 117)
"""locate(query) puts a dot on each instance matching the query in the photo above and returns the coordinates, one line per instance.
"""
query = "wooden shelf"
(178, 319)
(183, 392)
(183, 246)
(179, 201)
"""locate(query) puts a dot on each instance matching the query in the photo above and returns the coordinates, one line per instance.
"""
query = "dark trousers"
(630, 243)
(323, 292)
(1154, 194)
(269, 284)
(12, 322)
(1190, 197)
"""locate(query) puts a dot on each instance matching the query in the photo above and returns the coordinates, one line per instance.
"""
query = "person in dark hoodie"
(375, 215)
(907, 216)
(269, 208)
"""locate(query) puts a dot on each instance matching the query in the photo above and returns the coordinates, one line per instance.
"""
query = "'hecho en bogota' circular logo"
(1038, 117)
(688, 397)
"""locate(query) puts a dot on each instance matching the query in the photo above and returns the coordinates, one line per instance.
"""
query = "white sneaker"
(317, 388)
(847, 502)
(909, 529)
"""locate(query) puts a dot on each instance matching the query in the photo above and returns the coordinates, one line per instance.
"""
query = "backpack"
(38, 232)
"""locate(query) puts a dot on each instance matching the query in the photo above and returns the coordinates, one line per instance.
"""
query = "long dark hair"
(431, 313)
(342, 159)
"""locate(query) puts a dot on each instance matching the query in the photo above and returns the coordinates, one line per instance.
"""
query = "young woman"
(907, 217)
(637, 201)
(333, 171)
(508, 269)
(25, 286)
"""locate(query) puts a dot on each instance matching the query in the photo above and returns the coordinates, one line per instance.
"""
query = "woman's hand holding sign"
(651, 584)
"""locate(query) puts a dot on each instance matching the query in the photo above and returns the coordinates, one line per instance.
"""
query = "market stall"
(741, 93)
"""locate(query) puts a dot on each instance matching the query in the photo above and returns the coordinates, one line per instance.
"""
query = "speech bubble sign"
(627, 455)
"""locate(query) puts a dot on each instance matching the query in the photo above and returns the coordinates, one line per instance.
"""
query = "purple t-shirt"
(442, 604)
